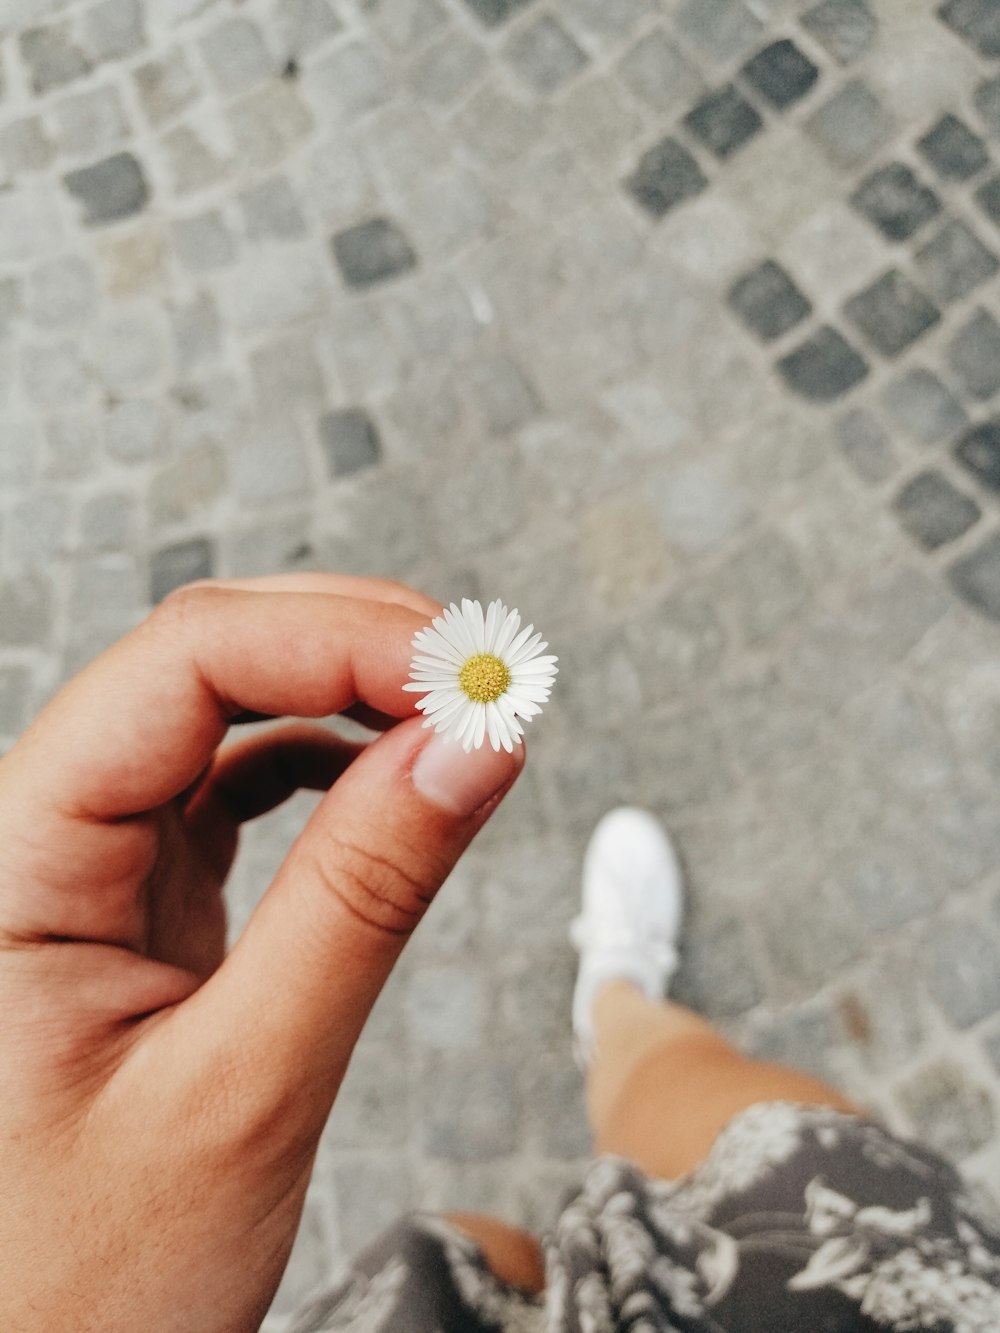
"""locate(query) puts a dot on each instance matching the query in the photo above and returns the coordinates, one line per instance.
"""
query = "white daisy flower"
(480, 675)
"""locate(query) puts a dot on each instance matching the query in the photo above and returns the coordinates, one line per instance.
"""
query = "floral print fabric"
(801, 1220)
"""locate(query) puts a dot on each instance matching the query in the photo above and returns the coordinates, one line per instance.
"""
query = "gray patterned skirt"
(801, 1220)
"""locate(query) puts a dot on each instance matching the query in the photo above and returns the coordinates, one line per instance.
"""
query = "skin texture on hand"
(163, 1101)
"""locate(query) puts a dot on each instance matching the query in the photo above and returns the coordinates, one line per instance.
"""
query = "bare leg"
(513, 1256)
(662, 1082)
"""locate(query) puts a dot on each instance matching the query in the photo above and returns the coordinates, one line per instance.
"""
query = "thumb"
(282, 1014)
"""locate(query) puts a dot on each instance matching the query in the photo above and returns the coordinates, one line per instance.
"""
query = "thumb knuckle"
(375, 887)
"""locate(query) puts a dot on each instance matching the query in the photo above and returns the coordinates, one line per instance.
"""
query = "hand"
(162, 1102)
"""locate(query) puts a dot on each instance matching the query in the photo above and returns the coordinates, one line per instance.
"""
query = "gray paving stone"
(918, 401)
(895, 201)
(933, 511)
(471, 528)
(405, 24)
(30, 227)
(54, 375)
(954, 262)
(892, 313)
(26, 610)
(348, 83)
(90, 123)
(544, 55)
(850, 126)
(108, 522)
(304, 25)
(607, 18)
(15, 696)
(271, 211)
(270, 462)
(110, 190)
(718, 974)
(267, 126)
(802, 1038)
(976, 577)
(949, 1110)
(987, 102)
(503, 393)
(373, 252)
(665, 176)
(447, 69)
(805, 956)
(768, 301)
(698, 506)
(186, 487)
(37, 529)
(977, 21)
(287, 375)
(166, 86)
(866, 446)
(182, 562)
(62, 293)
(197, 333)
(953, 150)
(129, 350)
(682, 643)
(203, 242)
(988, 198)
(762, 587)
(236, 56)
(781, 73)
(497, 129)
(974, 355)
(371, 1191)
(554, 1110)
(448, 1007)
(823, 367)
(844, 28)
(350, 441)
(52, 57)
(724, 121)
(719, 29)
(135, 431)
(24, 146)
(372, 1108)
(978, 451)
(192, 159)
(469, 1109)
(494, 12)
(658, 74)
(114, 29)
(72, 445)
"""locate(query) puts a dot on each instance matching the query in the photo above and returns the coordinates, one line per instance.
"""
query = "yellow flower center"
(484, 678)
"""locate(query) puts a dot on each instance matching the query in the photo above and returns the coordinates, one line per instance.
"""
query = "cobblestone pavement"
(675, 323)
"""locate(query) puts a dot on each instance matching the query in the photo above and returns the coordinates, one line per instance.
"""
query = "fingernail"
(458, 782)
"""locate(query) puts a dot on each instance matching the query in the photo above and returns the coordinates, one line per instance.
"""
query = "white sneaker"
(631, 918)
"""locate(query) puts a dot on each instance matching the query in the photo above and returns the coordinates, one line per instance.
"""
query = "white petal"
(480, 725)
(506, 633)
(547, 663)
(494, 616)
(537, 693)
(432, 663)
(453, 629)
(528, 649)
(531, 678)
(474, 619)
(517, 644)
(493, 723)
(430, 641)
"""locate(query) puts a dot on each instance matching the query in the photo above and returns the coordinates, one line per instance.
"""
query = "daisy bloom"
(479, 675)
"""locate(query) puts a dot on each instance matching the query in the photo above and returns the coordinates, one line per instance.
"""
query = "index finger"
(140, 723)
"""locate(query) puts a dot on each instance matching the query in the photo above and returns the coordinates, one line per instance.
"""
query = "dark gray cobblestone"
(676, 324)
